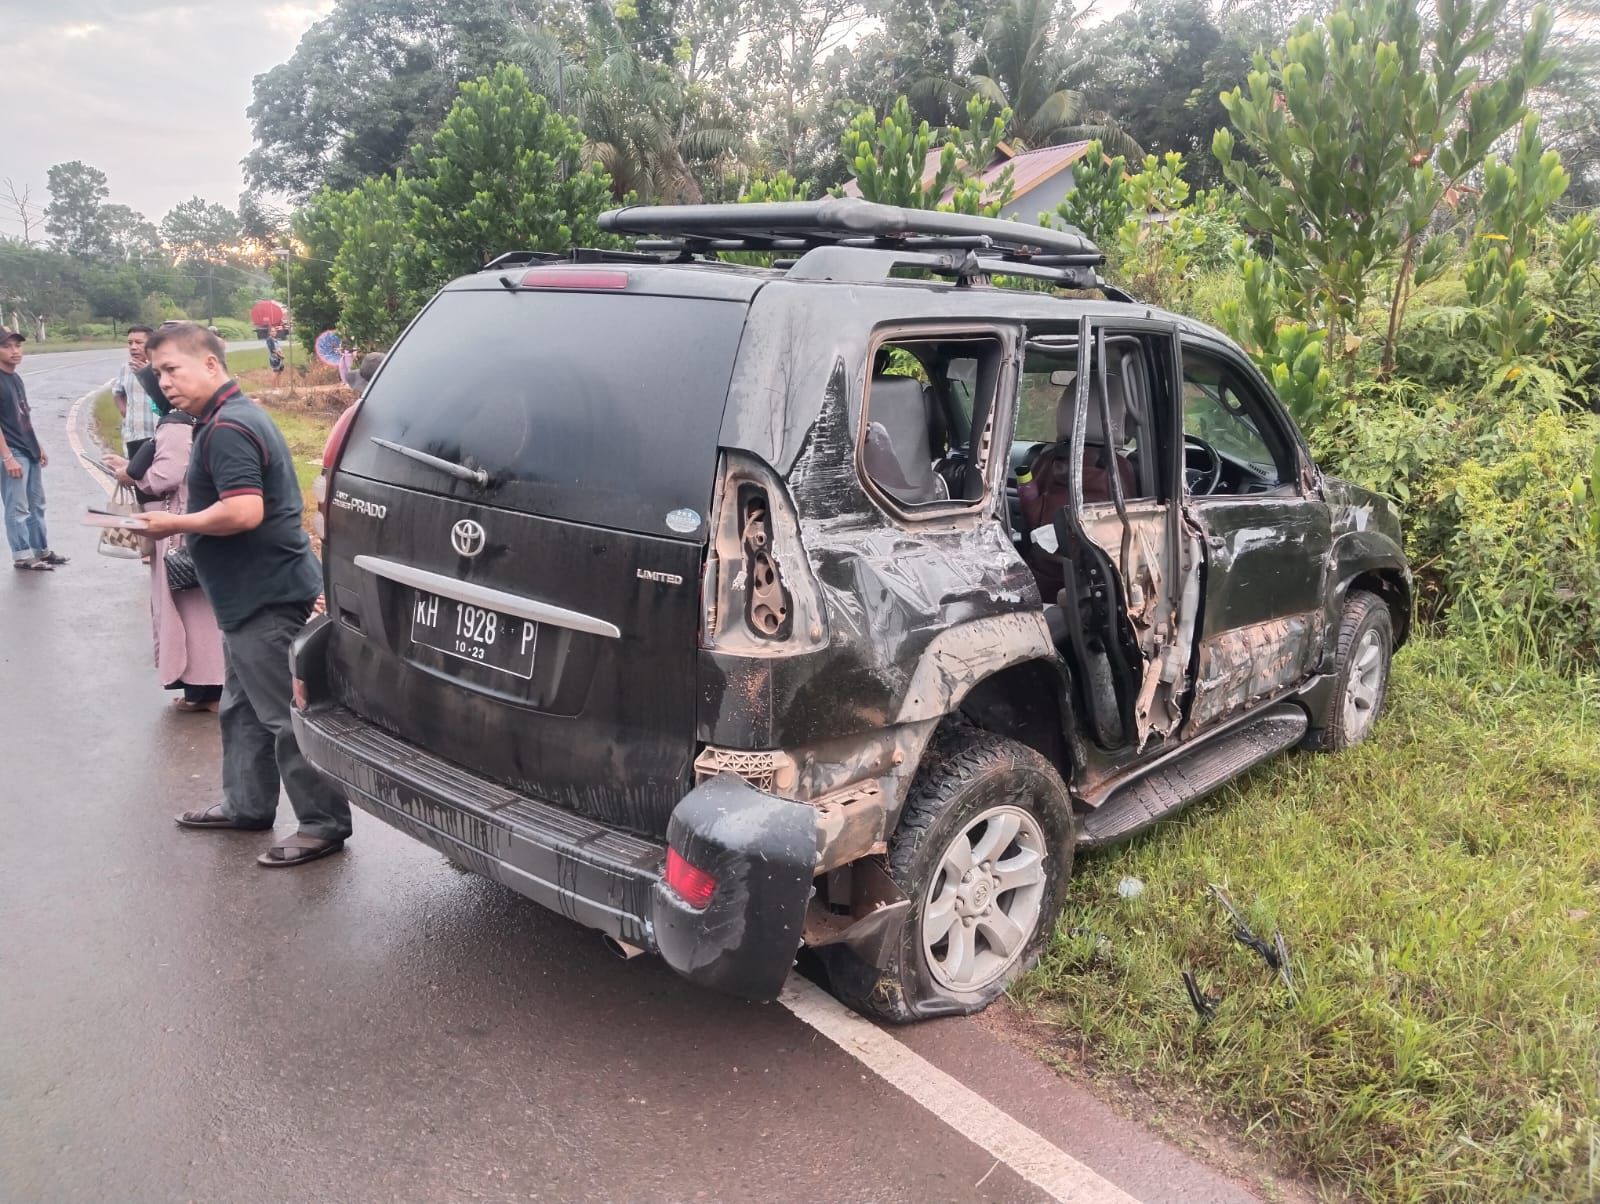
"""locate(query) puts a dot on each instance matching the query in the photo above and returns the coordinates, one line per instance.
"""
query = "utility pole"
(287, 255)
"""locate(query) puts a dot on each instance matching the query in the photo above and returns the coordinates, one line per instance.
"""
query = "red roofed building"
(1040, 179)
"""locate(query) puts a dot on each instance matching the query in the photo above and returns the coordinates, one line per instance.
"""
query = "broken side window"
(928, 404)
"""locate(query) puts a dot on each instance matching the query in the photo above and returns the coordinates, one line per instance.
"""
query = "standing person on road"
(133, 400)
(188, 645)
(22, 464)
(255, 565)
(274, 355)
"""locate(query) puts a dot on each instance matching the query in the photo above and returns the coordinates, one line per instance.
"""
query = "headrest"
(1094, 432)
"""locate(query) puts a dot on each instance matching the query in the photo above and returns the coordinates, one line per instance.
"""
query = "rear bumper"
(761, 850)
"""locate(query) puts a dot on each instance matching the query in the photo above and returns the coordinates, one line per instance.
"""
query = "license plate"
(471, 633)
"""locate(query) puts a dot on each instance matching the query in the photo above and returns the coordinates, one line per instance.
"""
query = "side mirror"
(1063, 377)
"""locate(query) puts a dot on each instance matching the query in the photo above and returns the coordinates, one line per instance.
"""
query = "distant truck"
(265, 315)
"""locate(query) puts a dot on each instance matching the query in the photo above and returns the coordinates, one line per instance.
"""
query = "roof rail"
(513, 258)
(844, 221)
(867, 265)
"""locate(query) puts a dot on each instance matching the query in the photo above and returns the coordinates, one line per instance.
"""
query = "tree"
(1568, 101)
(1027, 63)
(890, 157)
(318, 235)
(39, 284)
(366, 275)
(262, 226)
(75, 217)
(364, 84)
(199, 231)
(23, 207)
(785, 76)
(1154, 59)
(502, 172)
(1098, 203)
(130, 235)
(923, 41)
(116, 294)
(1364, 124)
(647, 128)
(1515, 204)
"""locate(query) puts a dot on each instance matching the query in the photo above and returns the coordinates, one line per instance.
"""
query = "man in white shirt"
(139, 416)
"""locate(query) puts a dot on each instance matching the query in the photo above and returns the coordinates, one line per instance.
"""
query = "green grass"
(108, 421)
(306, 430)
(247, 361)
(1439, 888)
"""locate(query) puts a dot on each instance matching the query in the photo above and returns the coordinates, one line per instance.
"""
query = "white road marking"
(958, 1106)
(75, 441)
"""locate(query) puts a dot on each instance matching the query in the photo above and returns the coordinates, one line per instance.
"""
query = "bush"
(1494, 530)
(233, 328)
(157, 308)
(1519, 561)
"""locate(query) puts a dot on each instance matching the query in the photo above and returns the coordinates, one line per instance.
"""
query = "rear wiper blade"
(461, 472)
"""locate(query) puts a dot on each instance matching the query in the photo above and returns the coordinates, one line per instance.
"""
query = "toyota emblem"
(468, 537)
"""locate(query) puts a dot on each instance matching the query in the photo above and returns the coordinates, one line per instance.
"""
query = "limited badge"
(683, 521)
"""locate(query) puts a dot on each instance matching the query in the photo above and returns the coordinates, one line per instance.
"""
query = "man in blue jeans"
(22, 463)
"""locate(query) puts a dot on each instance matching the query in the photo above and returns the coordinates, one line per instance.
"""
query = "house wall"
(1041, 199)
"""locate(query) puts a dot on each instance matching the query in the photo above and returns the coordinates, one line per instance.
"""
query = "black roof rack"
(845, 238)
(848, 222)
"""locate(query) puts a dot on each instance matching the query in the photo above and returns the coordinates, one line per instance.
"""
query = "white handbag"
(122, 542)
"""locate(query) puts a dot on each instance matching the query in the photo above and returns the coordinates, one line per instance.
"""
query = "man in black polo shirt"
(256, 567)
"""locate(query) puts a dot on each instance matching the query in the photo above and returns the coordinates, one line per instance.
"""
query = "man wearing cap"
(22, 463)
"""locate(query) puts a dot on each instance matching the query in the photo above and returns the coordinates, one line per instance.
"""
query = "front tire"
(1361, 673)
(983, 850)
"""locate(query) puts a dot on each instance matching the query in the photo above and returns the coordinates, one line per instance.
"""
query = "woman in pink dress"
(188, 642)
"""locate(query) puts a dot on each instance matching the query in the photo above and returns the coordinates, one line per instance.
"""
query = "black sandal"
(212, 817)
(39, 565)
(297, 850)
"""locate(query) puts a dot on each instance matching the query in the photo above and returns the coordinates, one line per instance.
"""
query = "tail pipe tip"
(621, 949)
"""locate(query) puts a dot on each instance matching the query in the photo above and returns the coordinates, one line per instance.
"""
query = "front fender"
(1366, 553)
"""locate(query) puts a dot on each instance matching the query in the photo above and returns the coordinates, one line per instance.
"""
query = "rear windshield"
(602, 408)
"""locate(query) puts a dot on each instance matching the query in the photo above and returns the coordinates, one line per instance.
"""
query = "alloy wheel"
(983, 904)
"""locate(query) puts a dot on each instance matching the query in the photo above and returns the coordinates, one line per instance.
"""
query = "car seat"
(1050, 469)
(898, 455)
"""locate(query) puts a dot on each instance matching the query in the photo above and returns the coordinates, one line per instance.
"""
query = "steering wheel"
(1201, 479)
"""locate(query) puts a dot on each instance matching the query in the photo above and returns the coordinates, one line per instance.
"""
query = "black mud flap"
(762, 851)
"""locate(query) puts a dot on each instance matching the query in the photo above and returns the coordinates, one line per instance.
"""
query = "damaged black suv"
(833, 602)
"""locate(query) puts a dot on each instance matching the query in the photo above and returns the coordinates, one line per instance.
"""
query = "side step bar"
(1173, 783)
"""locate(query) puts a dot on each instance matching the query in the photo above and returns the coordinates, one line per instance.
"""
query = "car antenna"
(509, 283)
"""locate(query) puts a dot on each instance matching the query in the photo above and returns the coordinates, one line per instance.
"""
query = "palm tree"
(1026, 62)
(639, 118)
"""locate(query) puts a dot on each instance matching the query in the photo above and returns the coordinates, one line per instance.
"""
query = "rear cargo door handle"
(488, 599)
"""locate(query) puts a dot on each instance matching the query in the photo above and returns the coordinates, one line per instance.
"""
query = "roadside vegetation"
(1439, 892)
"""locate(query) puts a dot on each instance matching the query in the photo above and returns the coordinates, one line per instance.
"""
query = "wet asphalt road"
(181, 1025)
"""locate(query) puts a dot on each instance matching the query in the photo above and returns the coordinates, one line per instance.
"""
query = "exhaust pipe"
(621, 949)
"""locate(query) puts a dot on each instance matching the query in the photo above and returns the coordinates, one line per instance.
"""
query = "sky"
(152, 92)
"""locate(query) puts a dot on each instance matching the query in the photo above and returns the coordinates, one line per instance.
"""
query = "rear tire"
(1361, 674)
(983, 850)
